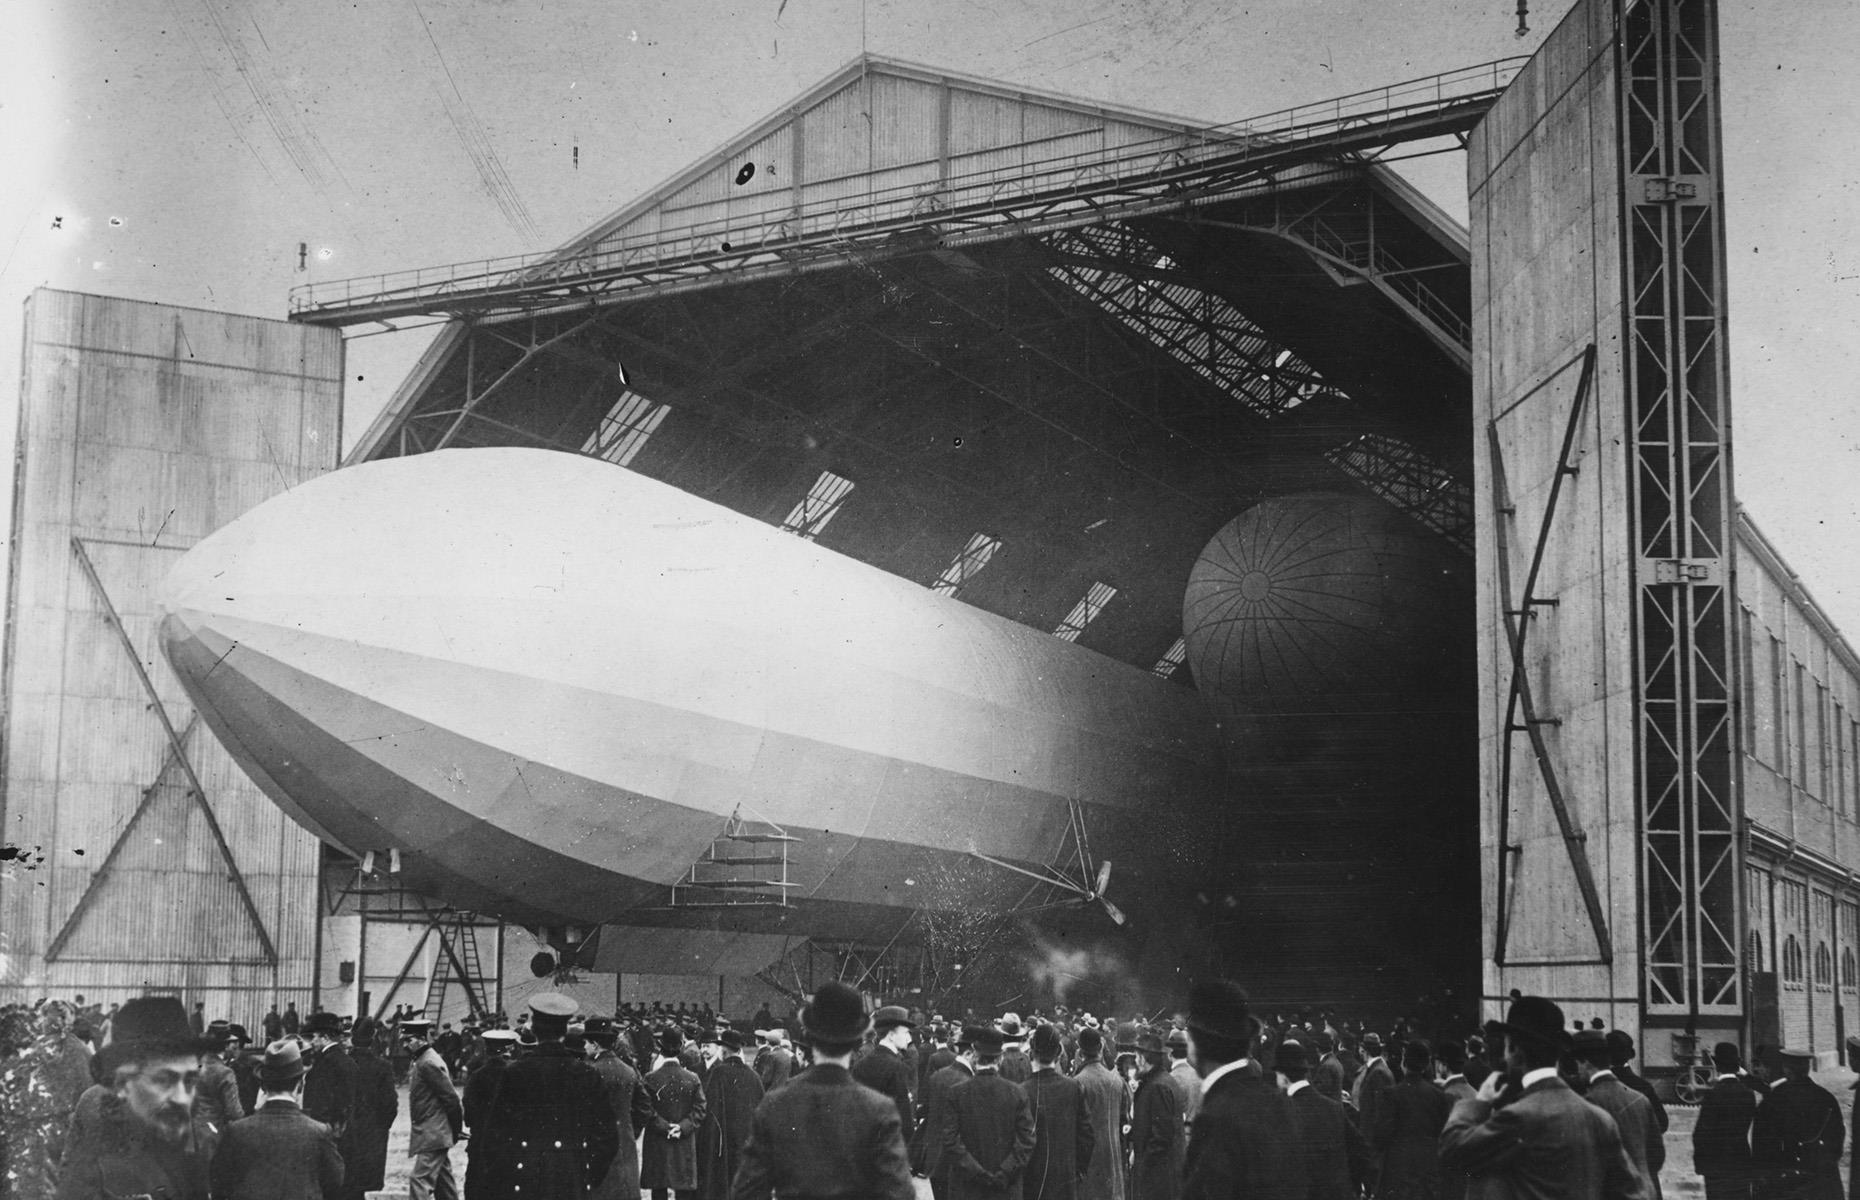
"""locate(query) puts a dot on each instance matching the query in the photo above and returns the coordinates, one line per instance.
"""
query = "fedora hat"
(1151, 1042)
(154, 1025)
(891, 1016)
(836, 1016)
(283, 1064)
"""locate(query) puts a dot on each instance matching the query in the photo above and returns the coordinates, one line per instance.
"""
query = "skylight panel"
(1172, 658)
(623, 431)
(967, 564)
(1084, 612)
(822, 501)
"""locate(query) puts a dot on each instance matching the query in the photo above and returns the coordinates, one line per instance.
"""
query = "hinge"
(1665, 190)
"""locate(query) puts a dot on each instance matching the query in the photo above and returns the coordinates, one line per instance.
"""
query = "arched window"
(1754, 962)
(1824, 967)
(1792, 961)
(1850, 973)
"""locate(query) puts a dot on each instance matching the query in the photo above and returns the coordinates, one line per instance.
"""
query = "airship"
(562, 693)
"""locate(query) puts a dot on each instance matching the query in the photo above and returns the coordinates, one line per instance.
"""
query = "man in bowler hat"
(988, 1132)
(279, 1152)
(1157, 1141)
(1798, 1134)
(1244, 1141)
(824, 1133)
(1336, 1156)
(1721, 1138)
(1633, 1115)
(927, 1151)
(668, 1157)
(1621, 1055)
(1103, 1093)
(731, 1094)
(329, 1082)
(885, 1070)
(1063, 1142)
(625, 1089)
(1548, 1143)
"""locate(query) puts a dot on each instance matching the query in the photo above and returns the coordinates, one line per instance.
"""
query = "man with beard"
(1157, 1142)
(885, 1069)
(731, 1094)
(552, 1121)
(625, 1090)
(1103, 1094)
(433, 1107)
(376, 1103)
(1062, 1132)
(135, 1133)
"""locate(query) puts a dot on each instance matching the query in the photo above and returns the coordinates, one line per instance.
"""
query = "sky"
(181, 151)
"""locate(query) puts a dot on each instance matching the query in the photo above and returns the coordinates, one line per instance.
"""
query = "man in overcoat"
(1014, 1066)
(485, 1156)
(1633, 1115)
(927, 1156)
(371, 1116)
(1157, 1134)
(279, 1152)
(1721, 1138)
(1102, 1091)
(554, 1131)
(434, 1111)
(668, 1156)
(1406, 1135)
(1336, 1157)
(731, 1093)
(1797, 1137)
(1244, 1141)
(988, 1132)
(885, 1070)
(1620, 1055)
(329, 1084)
(824, 1133)
(1062, 1132)
(777, 1066)
(625, 1089)
(1548, 1143)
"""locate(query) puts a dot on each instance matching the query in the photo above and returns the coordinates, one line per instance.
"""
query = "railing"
(783, 225)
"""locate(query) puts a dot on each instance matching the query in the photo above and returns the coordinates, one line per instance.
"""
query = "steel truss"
(1410, 481)
(1175, 173)
(1678, 409)
(1521, 713)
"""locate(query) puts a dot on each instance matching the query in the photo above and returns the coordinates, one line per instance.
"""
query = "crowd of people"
(843, 1099)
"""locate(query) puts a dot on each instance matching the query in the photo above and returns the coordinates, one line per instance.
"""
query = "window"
(1798, 761)
(1747, 660)
(1172, 658)
(1840, 759)
(819, 506)
(1820, 759)
(623, 431)
(1792, 961)
(1824, 967)
(1084, 612)
(1779, 717)
(1795, 902)
(1753, 954)
(967, 564)
(1850, 974)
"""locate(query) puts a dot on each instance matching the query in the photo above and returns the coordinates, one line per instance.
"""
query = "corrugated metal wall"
(142, 429)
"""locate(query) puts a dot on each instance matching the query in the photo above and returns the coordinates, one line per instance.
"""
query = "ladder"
(458, 961)
(745, 867)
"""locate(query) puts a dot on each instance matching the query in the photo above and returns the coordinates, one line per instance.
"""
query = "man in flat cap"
(885, 1069)
(1244, 1141)
(279, 1152)
(627, 1098)
(927, 1157)
(551, 1121)
(135, 1133)
(731, 1094)
(1548, 1143)
(1063, 1141)
(825, 1134)
(1157, 1133)
(1721, 1138)
(1103, 1094)
(668, 1156)
(988, 1134)
(1797, 1137)
(433, 1108)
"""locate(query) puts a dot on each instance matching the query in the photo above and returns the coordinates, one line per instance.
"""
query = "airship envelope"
(553, 685)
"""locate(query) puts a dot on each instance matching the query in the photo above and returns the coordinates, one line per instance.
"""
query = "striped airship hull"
(550, 683)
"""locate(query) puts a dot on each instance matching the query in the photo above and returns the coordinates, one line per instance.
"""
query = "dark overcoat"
(677, 1103)
(108, 1155)
(927, 1147)
(1015, 1066)
(1157, 1145)
(885, 1070)
(1406, 1138)
(329, 1087)
(625, 1090)
(775, 1068)
(987, 1138)
(1721, 1138)
(1656, 1150)
(277, 1153)
(485, 1157)
(364, 1144)
(1244, 1143)
(1548, 1144)
(1336, 1156)
(1796, 1140)
(1633, 1119)
(1102, 1090)
(731, 1094)
(1063, 1141)
(825, 1134)
(217, 1098)
(552, 1128)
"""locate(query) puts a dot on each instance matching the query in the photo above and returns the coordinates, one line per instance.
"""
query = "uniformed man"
(481, 1091)
(554, 1130)
(433, 1107)
(825, 1134)
(885, 1070)
(625, 1089)
(1797, 1137)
